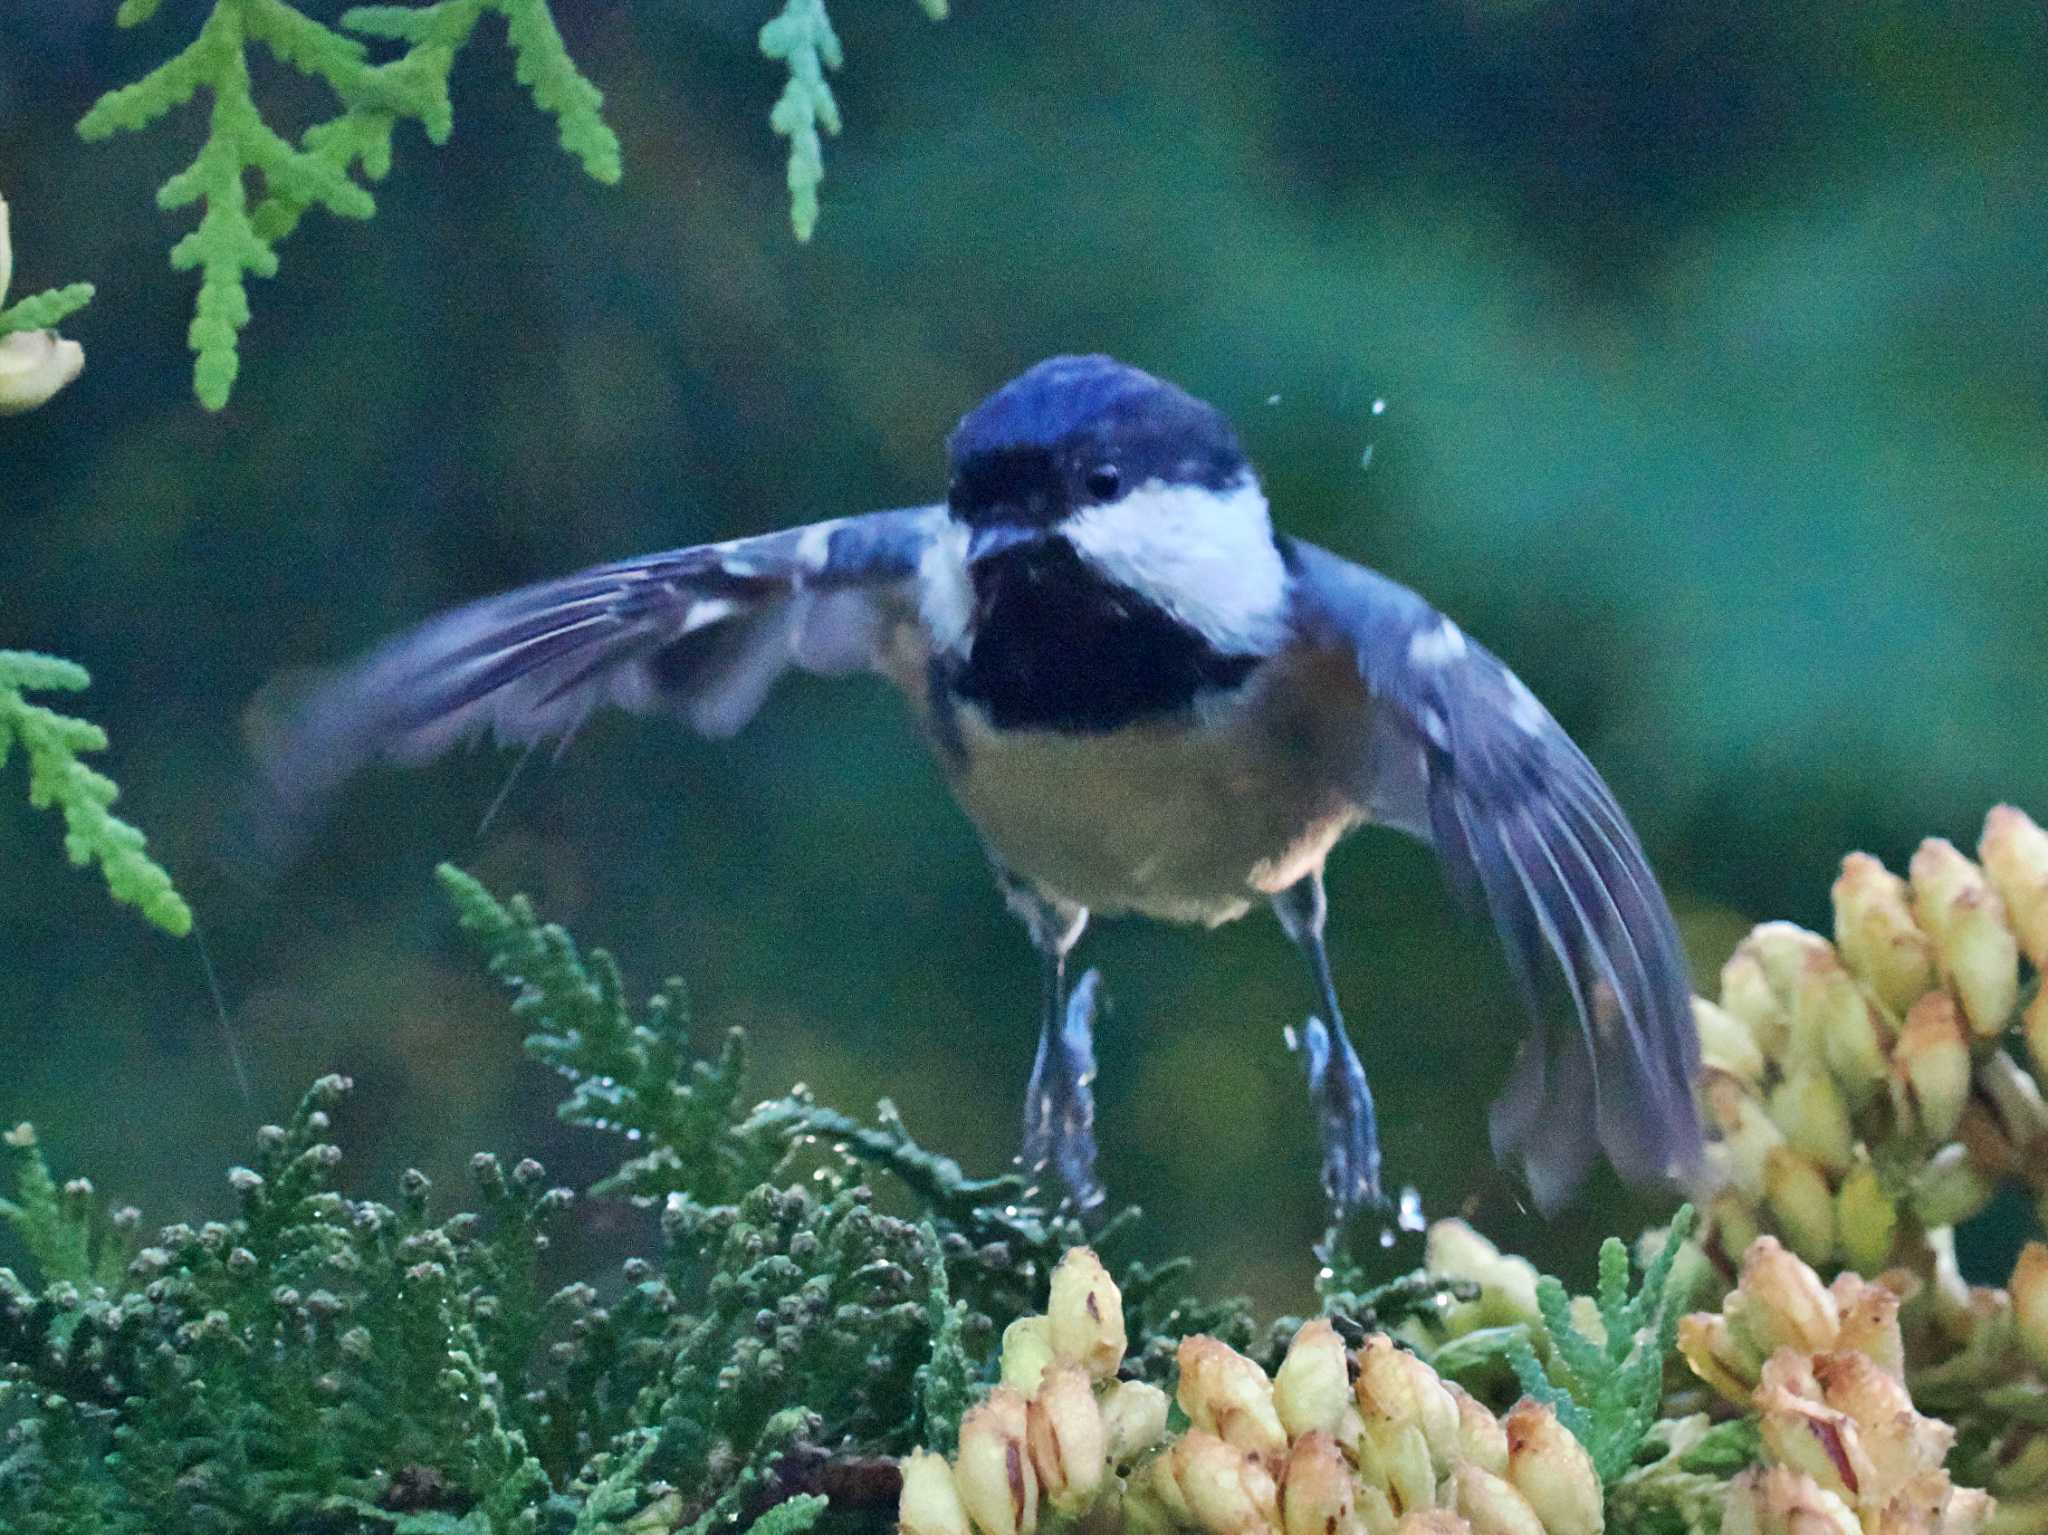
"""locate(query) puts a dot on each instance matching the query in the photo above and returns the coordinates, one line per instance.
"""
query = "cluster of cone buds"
(1055, 1436)
(1862, 1090)
(34, 364)
(1335, 1443)
(1846, 1452)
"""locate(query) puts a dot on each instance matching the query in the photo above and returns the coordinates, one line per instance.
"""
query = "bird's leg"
(1336, 1078)
(1059, 1105)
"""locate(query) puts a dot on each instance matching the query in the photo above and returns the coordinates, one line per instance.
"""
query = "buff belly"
(1189, 818)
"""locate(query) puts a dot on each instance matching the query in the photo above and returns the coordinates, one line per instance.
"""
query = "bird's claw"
(1059, 1105)
(1344, 1121)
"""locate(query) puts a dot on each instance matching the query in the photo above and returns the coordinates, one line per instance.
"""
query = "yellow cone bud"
(1507, 1284)
(1870, 1321)
(1780, 1303)
(1878, 938)
(1159, 1478)
(1776, 1500)
(1807, 1435)
(1866, 1219)
(2015, 854)
(1086, 1313)
(1552, 1470)
(1228, 1491)
(1027, 1350)
(1760, 979)
(1395, 1458)
(1717, 1356)
(2030, 1302)
(930, 1503)
(1396, 1388)
(1063, 1428)
(1811, 1111)
(1932, 1059)
(1133, 1420)
(1432, 1521)
(1747, 997)
(1227, 1394)
(1801, 1201)
(1376, 1510)
(1490, 1504)
(1317, 1489)
(1726, 1043)
(1971, 1510)
(993, 1471)
(1832, 1018)
(1973, 938)
(1482, 1442)
(1748, 1134)
(1731, 1221)
(1313, 1386)
(2022, 1117)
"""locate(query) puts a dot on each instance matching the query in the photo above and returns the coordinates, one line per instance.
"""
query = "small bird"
(1147, 701)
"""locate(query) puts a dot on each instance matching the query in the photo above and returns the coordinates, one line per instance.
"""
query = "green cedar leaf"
(1607, 1392)
(52, 744)
(803, 39)
(40, 311)
(237, 238)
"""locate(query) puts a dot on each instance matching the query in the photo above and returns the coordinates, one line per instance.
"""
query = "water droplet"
(1386, 1236)
(1365, 458)
(1272, 399)
(1325, 1274)
(1379, 407)
(1410, 1217)
(1293, 1040)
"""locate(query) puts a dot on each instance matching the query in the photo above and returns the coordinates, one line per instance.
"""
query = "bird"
(1148, 701)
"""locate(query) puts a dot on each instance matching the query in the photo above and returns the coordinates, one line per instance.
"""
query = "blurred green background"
(1713, 340)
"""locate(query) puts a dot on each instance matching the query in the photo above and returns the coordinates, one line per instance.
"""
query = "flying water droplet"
(1410, 1216)
(1272, 399)
(1379, 407)
(1365, 458)
(1386, 1236)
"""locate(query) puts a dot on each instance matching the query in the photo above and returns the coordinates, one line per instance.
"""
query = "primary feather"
(701, 633)
(1465, 757)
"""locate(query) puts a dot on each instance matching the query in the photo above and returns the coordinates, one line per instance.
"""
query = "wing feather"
(700, 633)
(1527, 830)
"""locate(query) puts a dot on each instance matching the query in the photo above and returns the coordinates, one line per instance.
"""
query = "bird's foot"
(1059, 1105)
(1344, 1121)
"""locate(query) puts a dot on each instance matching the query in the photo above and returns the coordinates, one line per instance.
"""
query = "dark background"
(1711, 338)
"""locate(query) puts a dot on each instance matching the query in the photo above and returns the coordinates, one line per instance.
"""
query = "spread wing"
(702, 633)
(1463, 756)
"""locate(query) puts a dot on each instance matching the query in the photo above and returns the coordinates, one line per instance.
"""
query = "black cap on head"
(1075, 429)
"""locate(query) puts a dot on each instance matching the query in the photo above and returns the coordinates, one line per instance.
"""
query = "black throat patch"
(1058, 646)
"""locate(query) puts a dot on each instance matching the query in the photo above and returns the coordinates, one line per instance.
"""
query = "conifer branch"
(52, 743)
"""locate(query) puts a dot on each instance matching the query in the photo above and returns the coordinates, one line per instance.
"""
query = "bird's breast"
(1190, 816)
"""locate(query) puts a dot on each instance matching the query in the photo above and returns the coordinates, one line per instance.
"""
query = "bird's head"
(1084, 464)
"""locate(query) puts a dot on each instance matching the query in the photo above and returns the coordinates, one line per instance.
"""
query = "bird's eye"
(1104, 482)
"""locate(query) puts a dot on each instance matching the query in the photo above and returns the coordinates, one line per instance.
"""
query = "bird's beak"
(997, 537)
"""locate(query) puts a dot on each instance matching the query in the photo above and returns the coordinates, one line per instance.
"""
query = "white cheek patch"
(1207, 557)
(945, 601)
